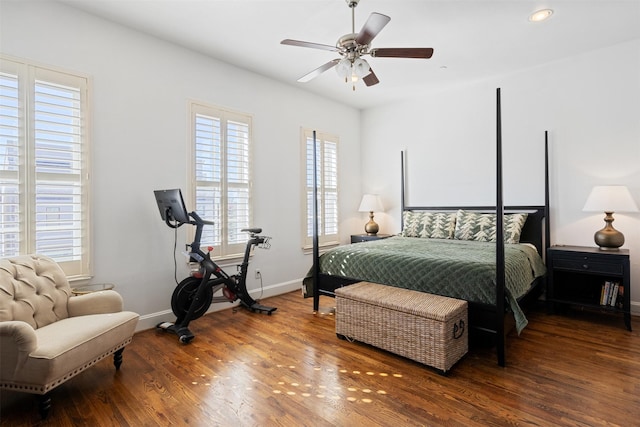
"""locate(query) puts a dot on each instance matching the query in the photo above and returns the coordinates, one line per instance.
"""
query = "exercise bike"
(193, 296)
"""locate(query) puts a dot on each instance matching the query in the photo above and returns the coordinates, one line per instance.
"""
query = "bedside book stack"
(612, 294)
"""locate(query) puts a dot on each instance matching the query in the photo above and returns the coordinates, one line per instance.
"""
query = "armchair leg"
(117, 358)
(44, 405)
(44, 400)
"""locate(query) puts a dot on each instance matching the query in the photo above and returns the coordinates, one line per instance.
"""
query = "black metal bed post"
(403, 183)
(316, 248)
(500, 277)
(547, 221)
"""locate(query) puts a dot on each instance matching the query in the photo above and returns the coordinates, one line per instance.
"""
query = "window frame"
(224, 249)
(324, 139)
(33, 132)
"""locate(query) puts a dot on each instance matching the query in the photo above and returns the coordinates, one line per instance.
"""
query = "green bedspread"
(454, 268)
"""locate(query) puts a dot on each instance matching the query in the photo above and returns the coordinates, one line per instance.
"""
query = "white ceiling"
(473, 39)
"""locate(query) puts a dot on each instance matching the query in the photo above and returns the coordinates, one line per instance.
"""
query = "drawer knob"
(585, 266)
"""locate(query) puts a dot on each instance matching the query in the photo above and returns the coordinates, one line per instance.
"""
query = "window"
(327, 170)
(43, 165)
(221, 142)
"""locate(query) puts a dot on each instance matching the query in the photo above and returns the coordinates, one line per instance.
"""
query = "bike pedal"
(262, 308)
(164, 325)
(228, 294)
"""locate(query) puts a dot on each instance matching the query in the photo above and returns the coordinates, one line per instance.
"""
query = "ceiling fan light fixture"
(343, 68)
(540, 15)
(361, 67)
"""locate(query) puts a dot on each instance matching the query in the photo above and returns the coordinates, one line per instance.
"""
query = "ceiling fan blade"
(400, 52)
(309, 44)
(321, 69)
(370, 79)
(372, 27)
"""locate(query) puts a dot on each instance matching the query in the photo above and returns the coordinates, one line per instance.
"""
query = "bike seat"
(252, 230)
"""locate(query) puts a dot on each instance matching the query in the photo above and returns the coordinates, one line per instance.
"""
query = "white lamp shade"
(371, 203)
(610, 198)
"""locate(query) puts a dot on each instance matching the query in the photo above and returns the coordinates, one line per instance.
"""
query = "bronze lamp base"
(609, 239)
(371, 228)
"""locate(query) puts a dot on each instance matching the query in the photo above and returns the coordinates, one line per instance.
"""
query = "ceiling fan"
(352, 47)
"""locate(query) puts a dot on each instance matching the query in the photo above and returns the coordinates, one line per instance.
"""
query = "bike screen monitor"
(171, 205)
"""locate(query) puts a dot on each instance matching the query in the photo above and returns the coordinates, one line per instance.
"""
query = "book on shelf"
(604, 293)
(614, 294)
(620, 298)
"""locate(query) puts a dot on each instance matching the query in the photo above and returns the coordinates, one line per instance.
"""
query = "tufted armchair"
(47, 335)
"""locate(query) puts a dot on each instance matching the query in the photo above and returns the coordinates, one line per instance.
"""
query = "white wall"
(141, 87)
(590, 104)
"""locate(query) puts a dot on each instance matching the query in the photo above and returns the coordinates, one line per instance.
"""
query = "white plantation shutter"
(330, 188)
(11, 142)
(43, 165)
(58, 156)
(238, 184)
(208, 173)
(222, 165)
(327, 167)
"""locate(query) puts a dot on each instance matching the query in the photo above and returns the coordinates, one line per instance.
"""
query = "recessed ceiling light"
(540, 15)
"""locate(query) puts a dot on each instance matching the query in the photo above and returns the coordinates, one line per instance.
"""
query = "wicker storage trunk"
(427, 328)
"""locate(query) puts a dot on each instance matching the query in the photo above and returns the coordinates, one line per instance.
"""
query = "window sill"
(324, 247)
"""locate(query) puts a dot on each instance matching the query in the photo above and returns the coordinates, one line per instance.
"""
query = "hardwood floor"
(289, 369)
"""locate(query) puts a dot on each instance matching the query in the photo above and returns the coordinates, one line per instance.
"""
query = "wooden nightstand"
(357, 238)
(590, 277)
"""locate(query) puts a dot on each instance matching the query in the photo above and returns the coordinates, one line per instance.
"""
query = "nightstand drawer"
(357, 238)
(588, 265)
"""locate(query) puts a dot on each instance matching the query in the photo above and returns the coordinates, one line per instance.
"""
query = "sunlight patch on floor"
(351, 385)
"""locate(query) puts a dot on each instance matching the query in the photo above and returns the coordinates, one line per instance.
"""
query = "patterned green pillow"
(482, 227)
(434, 225)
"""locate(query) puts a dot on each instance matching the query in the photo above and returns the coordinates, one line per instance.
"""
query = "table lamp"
(609, 199)
(371, 203)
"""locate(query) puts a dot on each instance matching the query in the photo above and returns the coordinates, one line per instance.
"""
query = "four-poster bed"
(495, 278)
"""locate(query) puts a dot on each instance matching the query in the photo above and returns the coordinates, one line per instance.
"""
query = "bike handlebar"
(263, 241)
(199, 221)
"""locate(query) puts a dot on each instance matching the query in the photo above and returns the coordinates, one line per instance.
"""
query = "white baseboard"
(151, 320)
(635, 308)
